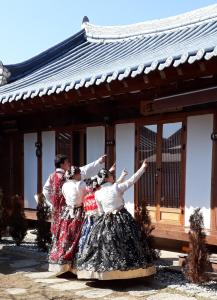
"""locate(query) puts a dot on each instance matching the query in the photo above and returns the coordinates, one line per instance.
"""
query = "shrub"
(43, 231)
(197, 261)
(18, 222)
(3, 215)
(146, 226)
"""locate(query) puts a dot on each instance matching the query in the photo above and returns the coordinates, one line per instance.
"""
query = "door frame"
(156, 211)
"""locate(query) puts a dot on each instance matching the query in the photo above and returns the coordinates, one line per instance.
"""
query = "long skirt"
(115, 249)
(89, 221)
(65, 241)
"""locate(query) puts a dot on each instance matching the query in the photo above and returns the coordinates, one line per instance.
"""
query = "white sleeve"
(99, 205)
(100, 209)
(122, 187)
(121, 178)
(47, 192)
(90, 169)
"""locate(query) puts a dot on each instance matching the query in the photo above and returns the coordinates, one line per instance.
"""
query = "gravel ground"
(23, 275)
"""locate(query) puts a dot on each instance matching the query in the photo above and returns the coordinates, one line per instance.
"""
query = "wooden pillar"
(39, 150)
(214, 180)
(183, 172)
(137, 188)
(158, 171)
(110, 144)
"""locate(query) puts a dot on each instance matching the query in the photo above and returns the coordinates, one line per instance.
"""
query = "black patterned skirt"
(115, 249)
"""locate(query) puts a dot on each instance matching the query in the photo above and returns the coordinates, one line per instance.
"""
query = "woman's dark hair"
(73, 171)
(59, 160)
(102, 175)
(92, 183)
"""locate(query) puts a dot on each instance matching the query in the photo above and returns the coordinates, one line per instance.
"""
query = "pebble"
(176, 281)
(208, 296)
(167, 296)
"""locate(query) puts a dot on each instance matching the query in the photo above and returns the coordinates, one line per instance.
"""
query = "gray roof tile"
(103, 54)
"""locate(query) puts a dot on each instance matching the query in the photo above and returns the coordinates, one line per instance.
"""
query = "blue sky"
(29, 27)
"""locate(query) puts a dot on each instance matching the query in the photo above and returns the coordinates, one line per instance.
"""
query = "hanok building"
(146, 90)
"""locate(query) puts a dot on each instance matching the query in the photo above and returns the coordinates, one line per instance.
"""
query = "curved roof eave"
(95, 56)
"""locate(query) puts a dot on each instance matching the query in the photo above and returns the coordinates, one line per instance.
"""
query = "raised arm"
(133, 179)
(124, 173)
(121, 179)
(92, 168)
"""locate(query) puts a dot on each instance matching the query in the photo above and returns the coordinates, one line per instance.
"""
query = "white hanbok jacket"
(72, 189)
(110, 197)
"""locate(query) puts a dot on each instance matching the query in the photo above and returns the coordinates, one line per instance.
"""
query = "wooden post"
(110, 144)
(183, 172)
(39, 160)
(214, 180)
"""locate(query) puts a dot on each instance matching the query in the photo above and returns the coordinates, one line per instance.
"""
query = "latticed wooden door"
(73, 144)
(161, 188)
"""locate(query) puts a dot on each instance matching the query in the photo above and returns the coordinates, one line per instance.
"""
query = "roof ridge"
(113, 33)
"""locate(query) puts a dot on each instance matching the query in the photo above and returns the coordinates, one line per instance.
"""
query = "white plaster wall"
(95, 143)
(48, 154)
(198, 166)
(125, 157)
(30, 170)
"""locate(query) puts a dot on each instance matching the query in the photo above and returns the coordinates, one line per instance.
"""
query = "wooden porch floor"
(161, 231)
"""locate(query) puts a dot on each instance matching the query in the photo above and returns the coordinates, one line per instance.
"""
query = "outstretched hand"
(145, 164)
(124, 172)
(102, 158)
(113, 167)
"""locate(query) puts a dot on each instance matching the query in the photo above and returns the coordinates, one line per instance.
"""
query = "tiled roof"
(102, 54)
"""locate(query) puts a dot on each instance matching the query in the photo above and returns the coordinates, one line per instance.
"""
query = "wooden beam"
(177, 102)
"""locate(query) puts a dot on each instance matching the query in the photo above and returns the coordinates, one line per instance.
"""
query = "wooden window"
(171, 164)
(162, 144)
(148, 150)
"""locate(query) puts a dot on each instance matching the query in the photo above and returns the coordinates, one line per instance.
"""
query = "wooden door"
(160, 188)
(73, 144)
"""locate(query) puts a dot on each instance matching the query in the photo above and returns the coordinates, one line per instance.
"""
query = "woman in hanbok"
(52, 191)
(91, 212)
(68, 229)
(116, 247)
